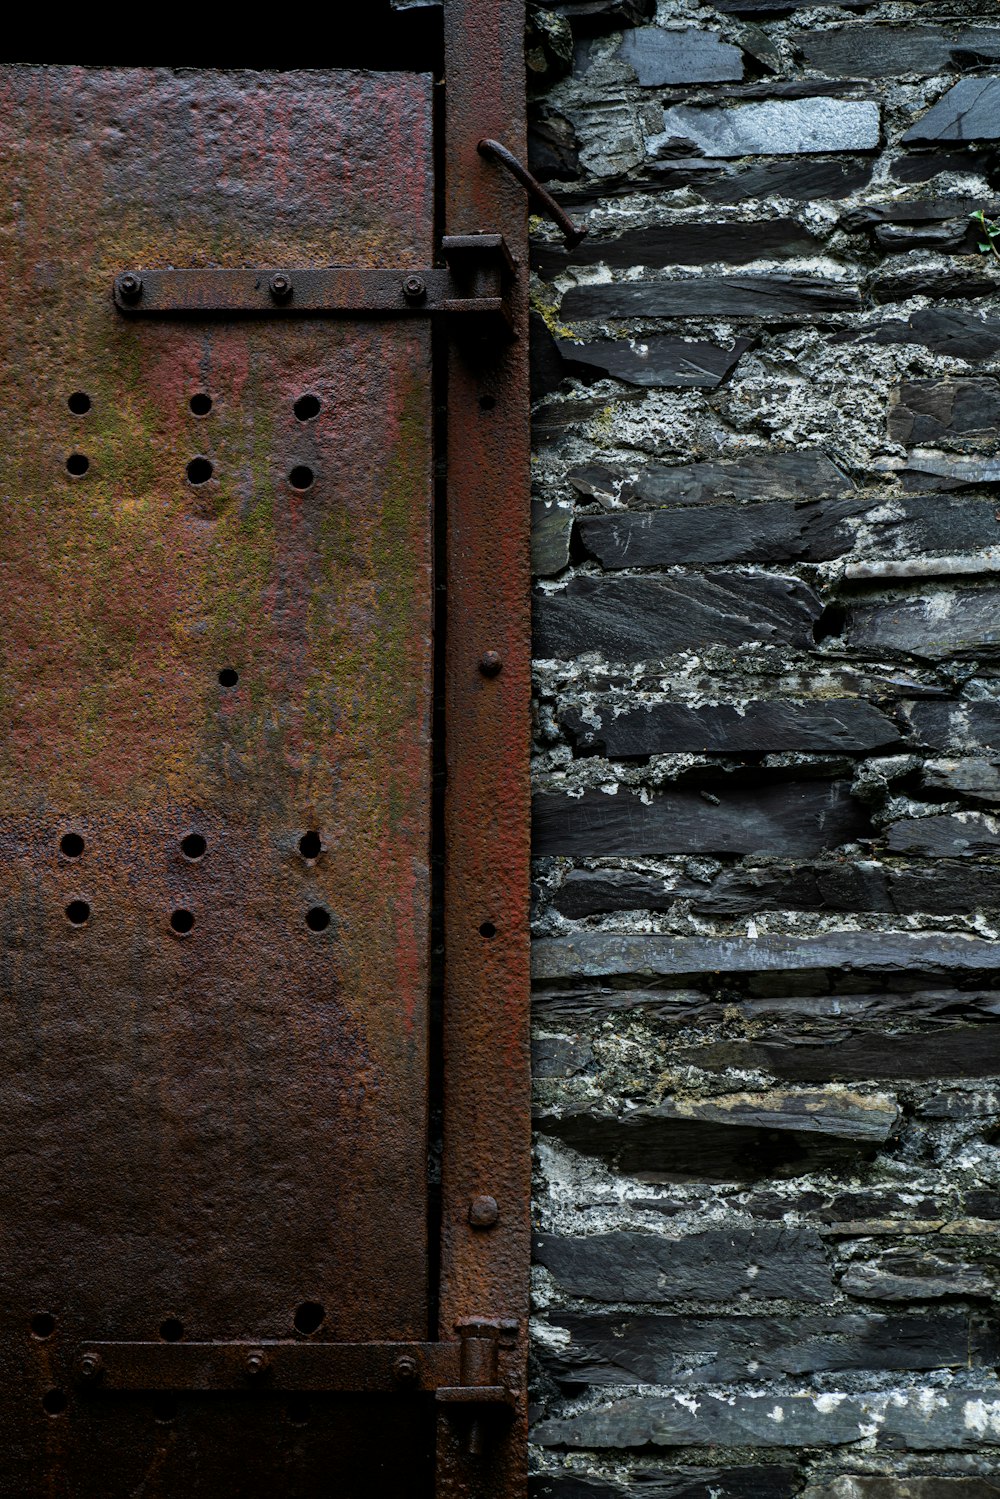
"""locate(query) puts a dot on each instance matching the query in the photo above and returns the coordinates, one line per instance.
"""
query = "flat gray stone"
(968, 112)
(770, 1261)
(940, 626)
(775, 127)
(609, 954)
(764, 724)
(712, 296)
(659, 359)
(657, 56)
(550, 532)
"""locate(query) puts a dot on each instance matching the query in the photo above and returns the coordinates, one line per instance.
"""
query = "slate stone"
(657, 56)
(553, 148)
(965, 725)
(655, 1146)
(550, 532)
(974, 779)
(687, 243)
(932, 468)
(925, 1420)
(614, 1348)
(603, 15)
(844, 886)
(942, 626)
(890, 51)
(771, 1262)
(774, 127)
(832, 724)
(867, 1486)
(788, 532)
(923, 166)
(850, 1053)
(949, 836)
(970, 111)
(957, 235)
(639, 618)
(908, 1275)
(803, 178)
(925, 280)
(770, 1482)
(960, 413)
(807, 474)
(796, 818)
(962, 335)
(848, 885)
(837, 1112)
(912, 211)
(560, 1056)
(772, 7)
(585, 893)
(655, 360)
(610, 954)
(791, 296)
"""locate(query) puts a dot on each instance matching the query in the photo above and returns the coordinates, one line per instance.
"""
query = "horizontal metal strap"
(324, 292)
(354, 1368)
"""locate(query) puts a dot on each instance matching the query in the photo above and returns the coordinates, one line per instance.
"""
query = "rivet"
(491, 663)
(257, 1363)
(483, 1212)
(91, 1365)
(405, 1370)
(414, 288)
(280, 287)
(130, 287)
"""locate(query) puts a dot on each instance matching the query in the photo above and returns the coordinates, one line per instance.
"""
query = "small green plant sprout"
(990, 232)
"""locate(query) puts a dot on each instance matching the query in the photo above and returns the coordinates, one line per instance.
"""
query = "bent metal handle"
(495, 151)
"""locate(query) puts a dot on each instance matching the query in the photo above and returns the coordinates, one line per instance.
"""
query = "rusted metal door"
(228, 1267)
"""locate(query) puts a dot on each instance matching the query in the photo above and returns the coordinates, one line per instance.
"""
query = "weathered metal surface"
(214, 783)
(355, 1368)
(404, 292)
(486, 1093)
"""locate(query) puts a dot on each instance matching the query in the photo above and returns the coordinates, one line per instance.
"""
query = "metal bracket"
(477, 281)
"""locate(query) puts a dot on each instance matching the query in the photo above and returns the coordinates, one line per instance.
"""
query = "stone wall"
(767, 1015)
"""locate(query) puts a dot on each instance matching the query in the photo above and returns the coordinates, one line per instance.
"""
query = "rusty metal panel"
(215, 602)
(486, 1158)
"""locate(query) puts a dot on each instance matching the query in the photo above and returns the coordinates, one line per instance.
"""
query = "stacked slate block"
(767, 807)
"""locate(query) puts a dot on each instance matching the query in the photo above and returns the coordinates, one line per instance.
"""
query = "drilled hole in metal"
(43, 1324)
(301, 477)
(306, 407)
(79, 403)
(54, 1402)
(487, 930)
(309, 1317)
(164, 1409)
(310, 845)
(200, 404)
(199, 471)
(298, 1410)
(181, 921)
(193, 846)
(228, 677)
(171, 1329)
(77, 464)
(317, 918)
(71, 845)
(77, 912)
(487, 403)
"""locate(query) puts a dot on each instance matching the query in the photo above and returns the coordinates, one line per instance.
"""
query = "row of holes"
(193, 845)
(182, 920)
(200, 404)
(165, 1407)
(199, 471)
(308, 1318)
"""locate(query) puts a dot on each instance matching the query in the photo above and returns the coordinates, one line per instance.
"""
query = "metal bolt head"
(483, 1212)
(414, 288)
(130, 286)
(257, 1362)
(280, 287)
(405, 1370)
(491, 663)
(91, 1365)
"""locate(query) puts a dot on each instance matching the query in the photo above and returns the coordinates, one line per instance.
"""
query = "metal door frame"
(486, 1103)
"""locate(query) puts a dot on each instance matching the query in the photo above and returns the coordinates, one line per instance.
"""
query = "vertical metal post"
(484, 1267)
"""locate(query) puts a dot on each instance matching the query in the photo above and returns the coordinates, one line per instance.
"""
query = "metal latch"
(476, 281)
